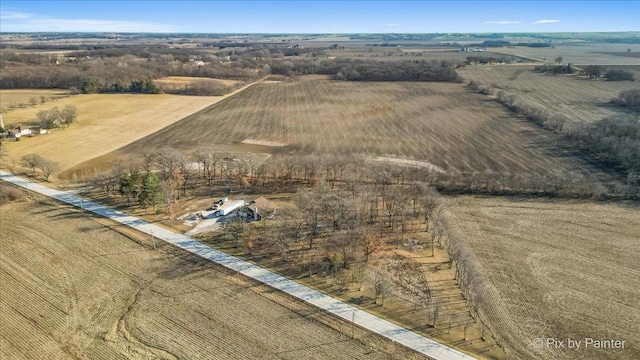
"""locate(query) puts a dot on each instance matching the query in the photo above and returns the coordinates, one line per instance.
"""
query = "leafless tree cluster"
(557, 183)
(55, 117)
(120, 69)
(614, 139)
(37, 162)
(629, 99)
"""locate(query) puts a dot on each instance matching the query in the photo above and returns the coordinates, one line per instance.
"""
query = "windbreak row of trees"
(614, 140)
(555, 69)
(592, 71)
(367, 70)
(597, 71)
(489, 60)
(629, 99)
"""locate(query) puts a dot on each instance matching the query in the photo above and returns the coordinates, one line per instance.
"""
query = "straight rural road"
(347, 312)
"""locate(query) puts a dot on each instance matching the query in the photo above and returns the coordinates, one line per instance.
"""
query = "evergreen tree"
(151, 193)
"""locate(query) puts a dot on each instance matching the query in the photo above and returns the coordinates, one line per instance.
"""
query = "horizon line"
(313, 33)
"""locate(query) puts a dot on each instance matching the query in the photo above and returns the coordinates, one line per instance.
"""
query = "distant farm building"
(18, 132)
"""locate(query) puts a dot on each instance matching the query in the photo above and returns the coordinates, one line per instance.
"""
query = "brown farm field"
(580, 99)
(73, 287)
(578, 53)
(554, 269)
(444, 124)
(393, 53)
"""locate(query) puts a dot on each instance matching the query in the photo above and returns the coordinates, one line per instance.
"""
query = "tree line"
(629, 99)
(613, 140)
(368, 70)
(126, 73)
(476, 59)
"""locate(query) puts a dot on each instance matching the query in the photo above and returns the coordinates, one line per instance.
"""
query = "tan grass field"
(555, 269)
(72, 288)
(105, 123)
(578, 98)
(22, 97)
(442, 124)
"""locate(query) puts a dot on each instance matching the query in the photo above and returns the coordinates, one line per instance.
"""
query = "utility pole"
(153, 240)
(353, 325)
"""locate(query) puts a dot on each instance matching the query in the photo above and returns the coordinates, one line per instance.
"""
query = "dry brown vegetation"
(75, 288)
(553, 269)
(579, 99)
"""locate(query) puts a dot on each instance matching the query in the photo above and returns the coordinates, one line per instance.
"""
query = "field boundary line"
(386, 329)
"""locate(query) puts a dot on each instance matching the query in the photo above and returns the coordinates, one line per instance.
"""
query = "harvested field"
(439, 123)
(553, 269)
(186, 80)
(577, 53)
(389, 53)
(178, 84)
(633, 54)
(578, 98)
(13, 99)
(79, 289)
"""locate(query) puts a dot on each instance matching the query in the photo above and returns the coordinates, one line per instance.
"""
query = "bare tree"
(436, 307)
(382, 285)
(168, 191)
(47, 167)
(186, 170)
(234, 229)
(148, 159)
(228, 169)
(31, 161)
(68, 114)
(279, 241)
(308, 204)
(429, 202)
(370, 245)
(200, 157)
(167, 161)
(343, 243)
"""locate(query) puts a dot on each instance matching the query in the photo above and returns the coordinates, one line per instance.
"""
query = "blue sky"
(319, 16)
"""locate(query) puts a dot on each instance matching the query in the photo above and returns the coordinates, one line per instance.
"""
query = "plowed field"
(442, 124)
(553, 269)
(74, 288)
(580, 99)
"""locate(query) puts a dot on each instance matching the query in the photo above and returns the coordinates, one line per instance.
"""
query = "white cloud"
(547, 21)
(7, 15)
(391, 24)
(24, 22)
(503, 22)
